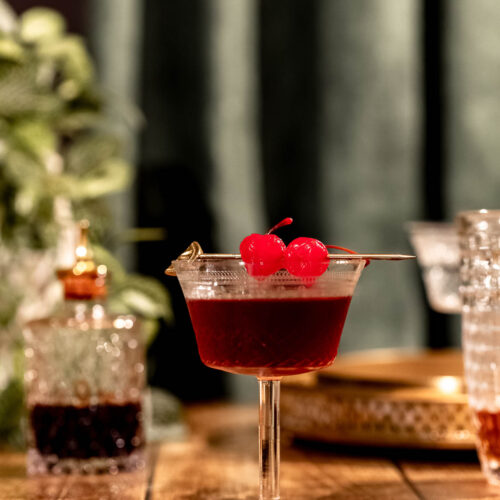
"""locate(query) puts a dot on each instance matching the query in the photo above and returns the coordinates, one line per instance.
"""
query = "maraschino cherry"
(263, 254)
(306, 257)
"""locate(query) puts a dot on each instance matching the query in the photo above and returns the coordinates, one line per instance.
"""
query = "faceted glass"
(480, 290)
(84, 377)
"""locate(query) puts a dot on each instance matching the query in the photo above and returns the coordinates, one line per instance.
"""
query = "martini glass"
(266, 327)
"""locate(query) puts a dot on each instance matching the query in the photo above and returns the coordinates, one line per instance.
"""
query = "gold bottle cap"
(85, 280)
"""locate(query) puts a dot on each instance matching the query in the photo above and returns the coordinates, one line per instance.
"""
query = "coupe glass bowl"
(266, 327)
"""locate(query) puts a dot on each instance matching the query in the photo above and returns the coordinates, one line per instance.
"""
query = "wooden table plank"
(14, 485)
(216, 462)
(220, 461)
(315, 475)
(450, 481)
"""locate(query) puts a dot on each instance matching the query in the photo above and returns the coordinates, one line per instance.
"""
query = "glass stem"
(269, 439)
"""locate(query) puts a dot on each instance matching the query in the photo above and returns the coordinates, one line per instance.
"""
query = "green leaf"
(150, 328)
(11, 50)
(23, 169)
(36, 136)
(19, 93)
(89, 151)
(71, 55)
(74, 121)
(144, 296)
(103, 256)
(11, 405)
(112, 175)
(41, 24)
(26, 200)
(9, 301)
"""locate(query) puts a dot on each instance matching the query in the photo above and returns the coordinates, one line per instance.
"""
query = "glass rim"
(483, 212)
(469, 218)
(416, 226)
(235, 259)
(232, 278)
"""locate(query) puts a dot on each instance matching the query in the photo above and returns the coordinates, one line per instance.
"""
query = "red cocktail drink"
(268, 337)
(273, 310)
(250, 319)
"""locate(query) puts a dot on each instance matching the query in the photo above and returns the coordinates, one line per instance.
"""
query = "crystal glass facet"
(267, 327)
(480, 290)
(84, 376)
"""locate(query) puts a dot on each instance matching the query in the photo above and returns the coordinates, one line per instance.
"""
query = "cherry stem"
(284, 222)
(336, 247)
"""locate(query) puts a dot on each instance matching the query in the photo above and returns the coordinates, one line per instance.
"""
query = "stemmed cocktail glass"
(267, 327)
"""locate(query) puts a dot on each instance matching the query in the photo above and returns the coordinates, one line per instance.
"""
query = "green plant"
(56, 154)
(58, 158)
(53, 139)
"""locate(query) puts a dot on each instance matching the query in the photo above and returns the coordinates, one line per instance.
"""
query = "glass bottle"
(84, 375)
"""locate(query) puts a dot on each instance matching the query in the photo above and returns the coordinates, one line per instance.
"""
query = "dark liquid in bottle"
(103, 430)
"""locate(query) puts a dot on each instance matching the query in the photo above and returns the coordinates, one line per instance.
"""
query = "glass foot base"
(51, 464)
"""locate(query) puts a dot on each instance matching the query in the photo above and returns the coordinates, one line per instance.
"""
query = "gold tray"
(382, 398)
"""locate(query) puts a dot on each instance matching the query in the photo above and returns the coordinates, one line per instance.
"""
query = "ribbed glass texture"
(480, 291)
(227, 278)
(84, 376)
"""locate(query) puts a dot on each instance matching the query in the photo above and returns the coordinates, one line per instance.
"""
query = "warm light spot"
(448, 385)
(98, 312)
(119, 323)
(81, 251)
(79, 268)
(102, 270)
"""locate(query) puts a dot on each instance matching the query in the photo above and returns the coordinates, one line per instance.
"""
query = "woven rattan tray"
(382, 398)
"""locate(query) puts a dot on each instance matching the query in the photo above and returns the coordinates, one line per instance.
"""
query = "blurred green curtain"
(370, 158)
(300, 108)
(337, 140)
(116, 41)
(473, 103)
(314, 109)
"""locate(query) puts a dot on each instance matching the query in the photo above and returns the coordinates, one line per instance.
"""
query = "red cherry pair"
(264, 254)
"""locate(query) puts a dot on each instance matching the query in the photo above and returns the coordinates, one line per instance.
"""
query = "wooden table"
(219, 461)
